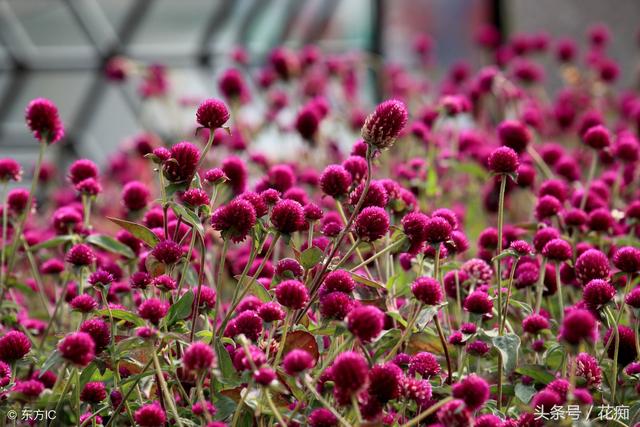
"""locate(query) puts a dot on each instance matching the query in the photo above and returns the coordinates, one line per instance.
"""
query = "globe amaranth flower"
(83, 303)
(297, 361)
(627, 344)
(99, 331)
(93, 392)
(597, 293)
(588, 368)
(135, 195)
(503, 160)
(418, 390)
(597, 137)
(478, 302)
(5, 374)
(473, 390)
(249, 324)
(514, 134)
(10, 170)
(437, 230)
(153, 310)
(43, 120)
(335, 181)
(350, 372)
(547, 207)
(264, 376)
(234, 220)
(30, 389)
(627, 259)
(385, 382)
(376, 196)
(579, 325)
(592, 264)
(339, 281)
(289, 268)
(198, 357)
(425, 364)
(183, 162)
(80, 255)
(427, 290)
(212, 114)
(371, 224)
(534, 323)
(287, 216)
(78, 348)
(150, 415)
(14, 345)
(271, 312)
(557, 250)
(383, 126)
(322, 417)
(167, 252)
(335, 305)
(365, 322)
(454, 413)
(292, 294)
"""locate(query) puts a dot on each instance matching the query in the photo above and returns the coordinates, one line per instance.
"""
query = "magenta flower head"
(627, 259)
(287, 216)
(350, 372)
(99, 331)
(478, 302)
(427, 290)
(308, 122)
(414, 225)
(503, 160)
(371, 223)
(289, 268)
(292, 294)
(167, 252)
(264, 376)
(93, 392)
(521, 247)
(78, 348)
(198, 357)
(547, 207)
(473, 390)
(183, 162)
(579, 325)
(271, 312)
(592, 264)
(335, 305)
(236, 172)
(5, 374)
(454, 413)
(425, 364)
(365, 322)
(322, 417)
(83, 303)
(534, 323)
(135, 195)
(597, 137)
(234, 220)
(212, 114)
(10, 170)
(153, 310)
(335, 181)
(80, 255)
(597, 293)
(297, 361)
(249, 324)
(627, 352)
(385, 382)
(43, 120)
(14, 345)
(151, 415)
(557, 250)
(437, 230)
(382, 127)
(82, 169)
(514, 134)
(339, 281)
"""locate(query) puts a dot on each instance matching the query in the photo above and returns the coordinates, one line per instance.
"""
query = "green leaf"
(229, 374)
(310, 257)
(51, 361)
(122, 315)
(181, 309)
(432, 182)
(386, 341)
(524, 392)
(225, 407)
(52, 243)
(537, 372)
(87, 373)
(504, 254)
(508, 346)
(364, 281)
(188, 216)
(425, 315)
(256, 288)
(139, 231)
(172, 189)
(110, 244)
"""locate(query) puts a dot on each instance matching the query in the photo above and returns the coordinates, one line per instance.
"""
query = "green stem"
(540, 284)
(592, 172)
(283, 340)
(3, 246)
(324, 402)
(503, 186)
(560, 295)
(443, 341)
(274, 409)
(126, 396)
(165, 390)
(509, 289)
(379, 254)
(404, 336)
(223, 256)
(428, 412)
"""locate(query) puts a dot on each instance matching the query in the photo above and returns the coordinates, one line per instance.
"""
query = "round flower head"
(297, 361)
(385, 382)
(382, 127)
(249, 324)
(215, 176)
(503, 160)
(478, 302)
(335, 305)
(321, 417)
(473, 390)
(236, 172)
(546, 399)
(514, 135)
(588, 368)
(579, 325)
(425, 364)
(478, 270)
(99, 331)
(234, 220)
(437, 230)
(597, 293)
(350, 372)
(82, 169)
(93, 392)
(289, 268)
(627, 344)
(83, 303)
(521, 247)
(14, 345)
(376, 196)
(427, 290)
(414, 225)
(153, 310)
(17, 200)
(10, 170)
(5, 374)
(78, 348)
(547, 207)
(592, 264)
(271, 312)
(80, 255)
(371, 223)
(335, 181)
(198, 357)
(292, 294)
(597, 137)
(151, 415)
(183, 162)
(89, 187)
(135, 195)
(339, 281)
(307, 122)
(264, 376)
(30, 389)
(287, 216)
(557, 250)
(212, 114)
(167, 252)
(543, 236)
(454, 413)
(627, 259)
(357, 167)
(43, 120)
(534, 323)
(312, 212)
(365, 322)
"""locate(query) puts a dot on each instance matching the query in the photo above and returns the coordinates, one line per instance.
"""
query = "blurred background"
(59, 49)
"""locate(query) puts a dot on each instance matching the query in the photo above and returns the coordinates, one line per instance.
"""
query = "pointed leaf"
(110, 244)
(508, 346)
(139, 231)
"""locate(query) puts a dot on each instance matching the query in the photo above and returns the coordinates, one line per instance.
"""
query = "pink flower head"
(371, 223)
(78, 348)
(183, 162)
(14, 345)
(365, 322)
(384, 125)
(292, 294)
(212, 114)
(234, 220)
(287, 216)
(43, 120)
(198, 357)
(427, 290)
(579, 325)
(150, 415)
(10, 170)
(473, 390)
(297, 361)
